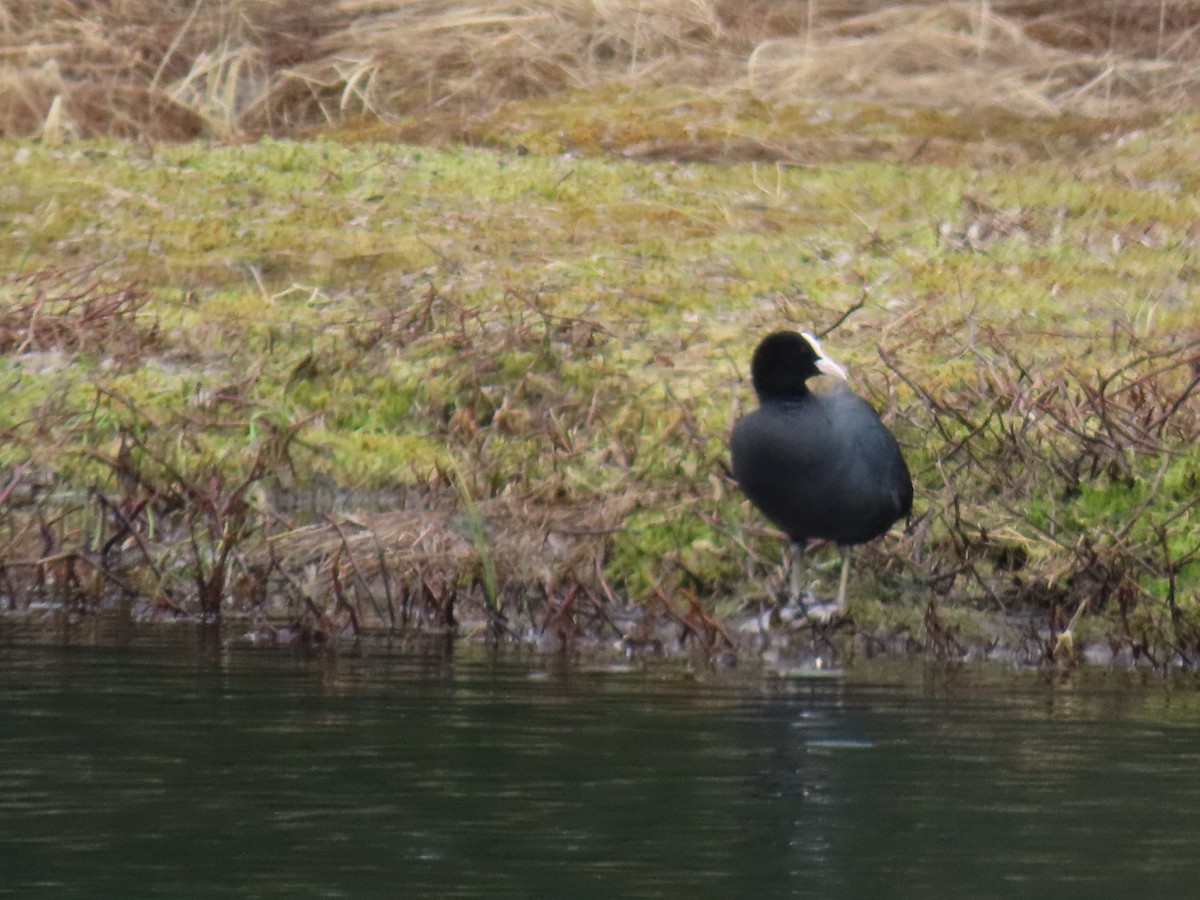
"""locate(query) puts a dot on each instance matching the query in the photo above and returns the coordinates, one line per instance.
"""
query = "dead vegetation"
(1032, 58)
(1065, 486)
(203, 510)
(241, 67)
(508, 565)
(75, 312)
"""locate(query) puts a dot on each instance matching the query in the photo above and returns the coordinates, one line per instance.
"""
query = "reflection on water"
(159, 771)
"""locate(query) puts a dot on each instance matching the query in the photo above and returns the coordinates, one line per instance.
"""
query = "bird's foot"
(822, 612)
(807, 608)
(793, 607)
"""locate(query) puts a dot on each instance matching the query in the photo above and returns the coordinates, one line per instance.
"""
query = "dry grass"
(1066, 484)
(74, 311)
(391, 59)
(233, 67)
(1034, 60)
(407, 568)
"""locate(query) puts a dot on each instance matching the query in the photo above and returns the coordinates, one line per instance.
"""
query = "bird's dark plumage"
(818, 465)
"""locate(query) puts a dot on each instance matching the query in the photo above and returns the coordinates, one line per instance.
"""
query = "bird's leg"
(829, 610)
(797, 576)
(789, 601)
(841, 595)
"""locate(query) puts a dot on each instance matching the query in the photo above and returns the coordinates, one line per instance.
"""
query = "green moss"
(375, 459)
(661, 551)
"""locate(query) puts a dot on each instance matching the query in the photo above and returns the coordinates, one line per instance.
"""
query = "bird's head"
(785, 360)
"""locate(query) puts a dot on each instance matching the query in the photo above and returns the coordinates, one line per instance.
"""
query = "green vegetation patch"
(241, 377)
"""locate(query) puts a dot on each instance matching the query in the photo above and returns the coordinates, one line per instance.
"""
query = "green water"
(165, 771)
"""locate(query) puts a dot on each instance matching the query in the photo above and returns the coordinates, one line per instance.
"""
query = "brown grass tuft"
(392, 58)
(179, 70)
(442, 562)
(966, 54)
(74, 311)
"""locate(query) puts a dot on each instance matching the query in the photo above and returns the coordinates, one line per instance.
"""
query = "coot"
(818, 465)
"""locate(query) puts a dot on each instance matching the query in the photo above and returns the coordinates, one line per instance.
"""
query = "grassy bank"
(341, 380)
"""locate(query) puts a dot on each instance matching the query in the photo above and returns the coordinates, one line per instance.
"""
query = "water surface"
(160, 770)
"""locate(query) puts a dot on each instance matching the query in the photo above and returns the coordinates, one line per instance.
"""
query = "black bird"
(818, 465)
